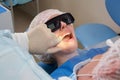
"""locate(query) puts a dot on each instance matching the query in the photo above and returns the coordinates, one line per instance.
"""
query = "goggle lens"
(55, 23)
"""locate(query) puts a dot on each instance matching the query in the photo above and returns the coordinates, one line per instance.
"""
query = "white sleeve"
(21, 39)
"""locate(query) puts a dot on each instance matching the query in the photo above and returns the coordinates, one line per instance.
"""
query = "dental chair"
(113, 8)
(93, 33)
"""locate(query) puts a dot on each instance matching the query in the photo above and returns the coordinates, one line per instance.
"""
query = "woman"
(68, 54)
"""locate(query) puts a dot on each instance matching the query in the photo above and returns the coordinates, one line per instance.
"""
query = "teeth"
(61, 37)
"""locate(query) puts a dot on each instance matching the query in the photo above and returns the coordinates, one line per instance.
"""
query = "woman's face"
(69, 42)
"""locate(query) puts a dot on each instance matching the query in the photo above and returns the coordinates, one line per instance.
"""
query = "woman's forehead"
(44, 16)
(52, 16)
(49, 14)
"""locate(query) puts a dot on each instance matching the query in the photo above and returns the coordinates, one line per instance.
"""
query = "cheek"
(68, 46)
(57, 33)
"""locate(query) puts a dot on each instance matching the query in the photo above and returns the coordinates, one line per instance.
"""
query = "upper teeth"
(61, 37)
(65, 35)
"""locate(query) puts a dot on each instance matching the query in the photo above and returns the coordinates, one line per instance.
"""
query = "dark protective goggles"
(55, 23)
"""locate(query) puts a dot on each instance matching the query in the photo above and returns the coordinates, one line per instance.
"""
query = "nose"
(63, 25)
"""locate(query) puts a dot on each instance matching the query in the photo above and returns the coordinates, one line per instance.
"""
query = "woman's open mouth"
(67, 36)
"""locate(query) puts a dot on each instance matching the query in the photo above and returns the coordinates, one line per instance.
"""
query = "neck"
(62, 58)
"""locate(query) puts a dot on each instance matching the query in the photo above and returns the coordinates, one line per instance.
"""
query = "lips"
(67, 36)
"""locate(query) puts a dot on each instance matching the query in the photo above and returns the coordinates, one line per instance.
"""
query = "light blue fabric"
(113, 8)
(93, 33)
(2, 10)
(16, 63)
(15, 2)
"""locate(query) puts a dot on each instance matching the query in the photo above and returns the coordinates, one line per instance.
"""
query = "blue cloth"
(2, 9)
(16, 63)
(49, 68)
(15, 2)
(66, 69)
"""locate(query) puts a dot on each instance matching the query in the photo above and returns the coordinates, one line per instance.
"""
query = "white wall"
(84, 11)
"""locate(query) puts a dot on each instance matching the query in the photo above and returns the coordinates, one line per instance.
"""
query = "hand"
(42, 40)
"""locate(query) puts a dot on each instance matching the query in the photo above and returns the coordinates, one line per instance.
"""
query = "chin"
(69, 42)
(69, 48)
